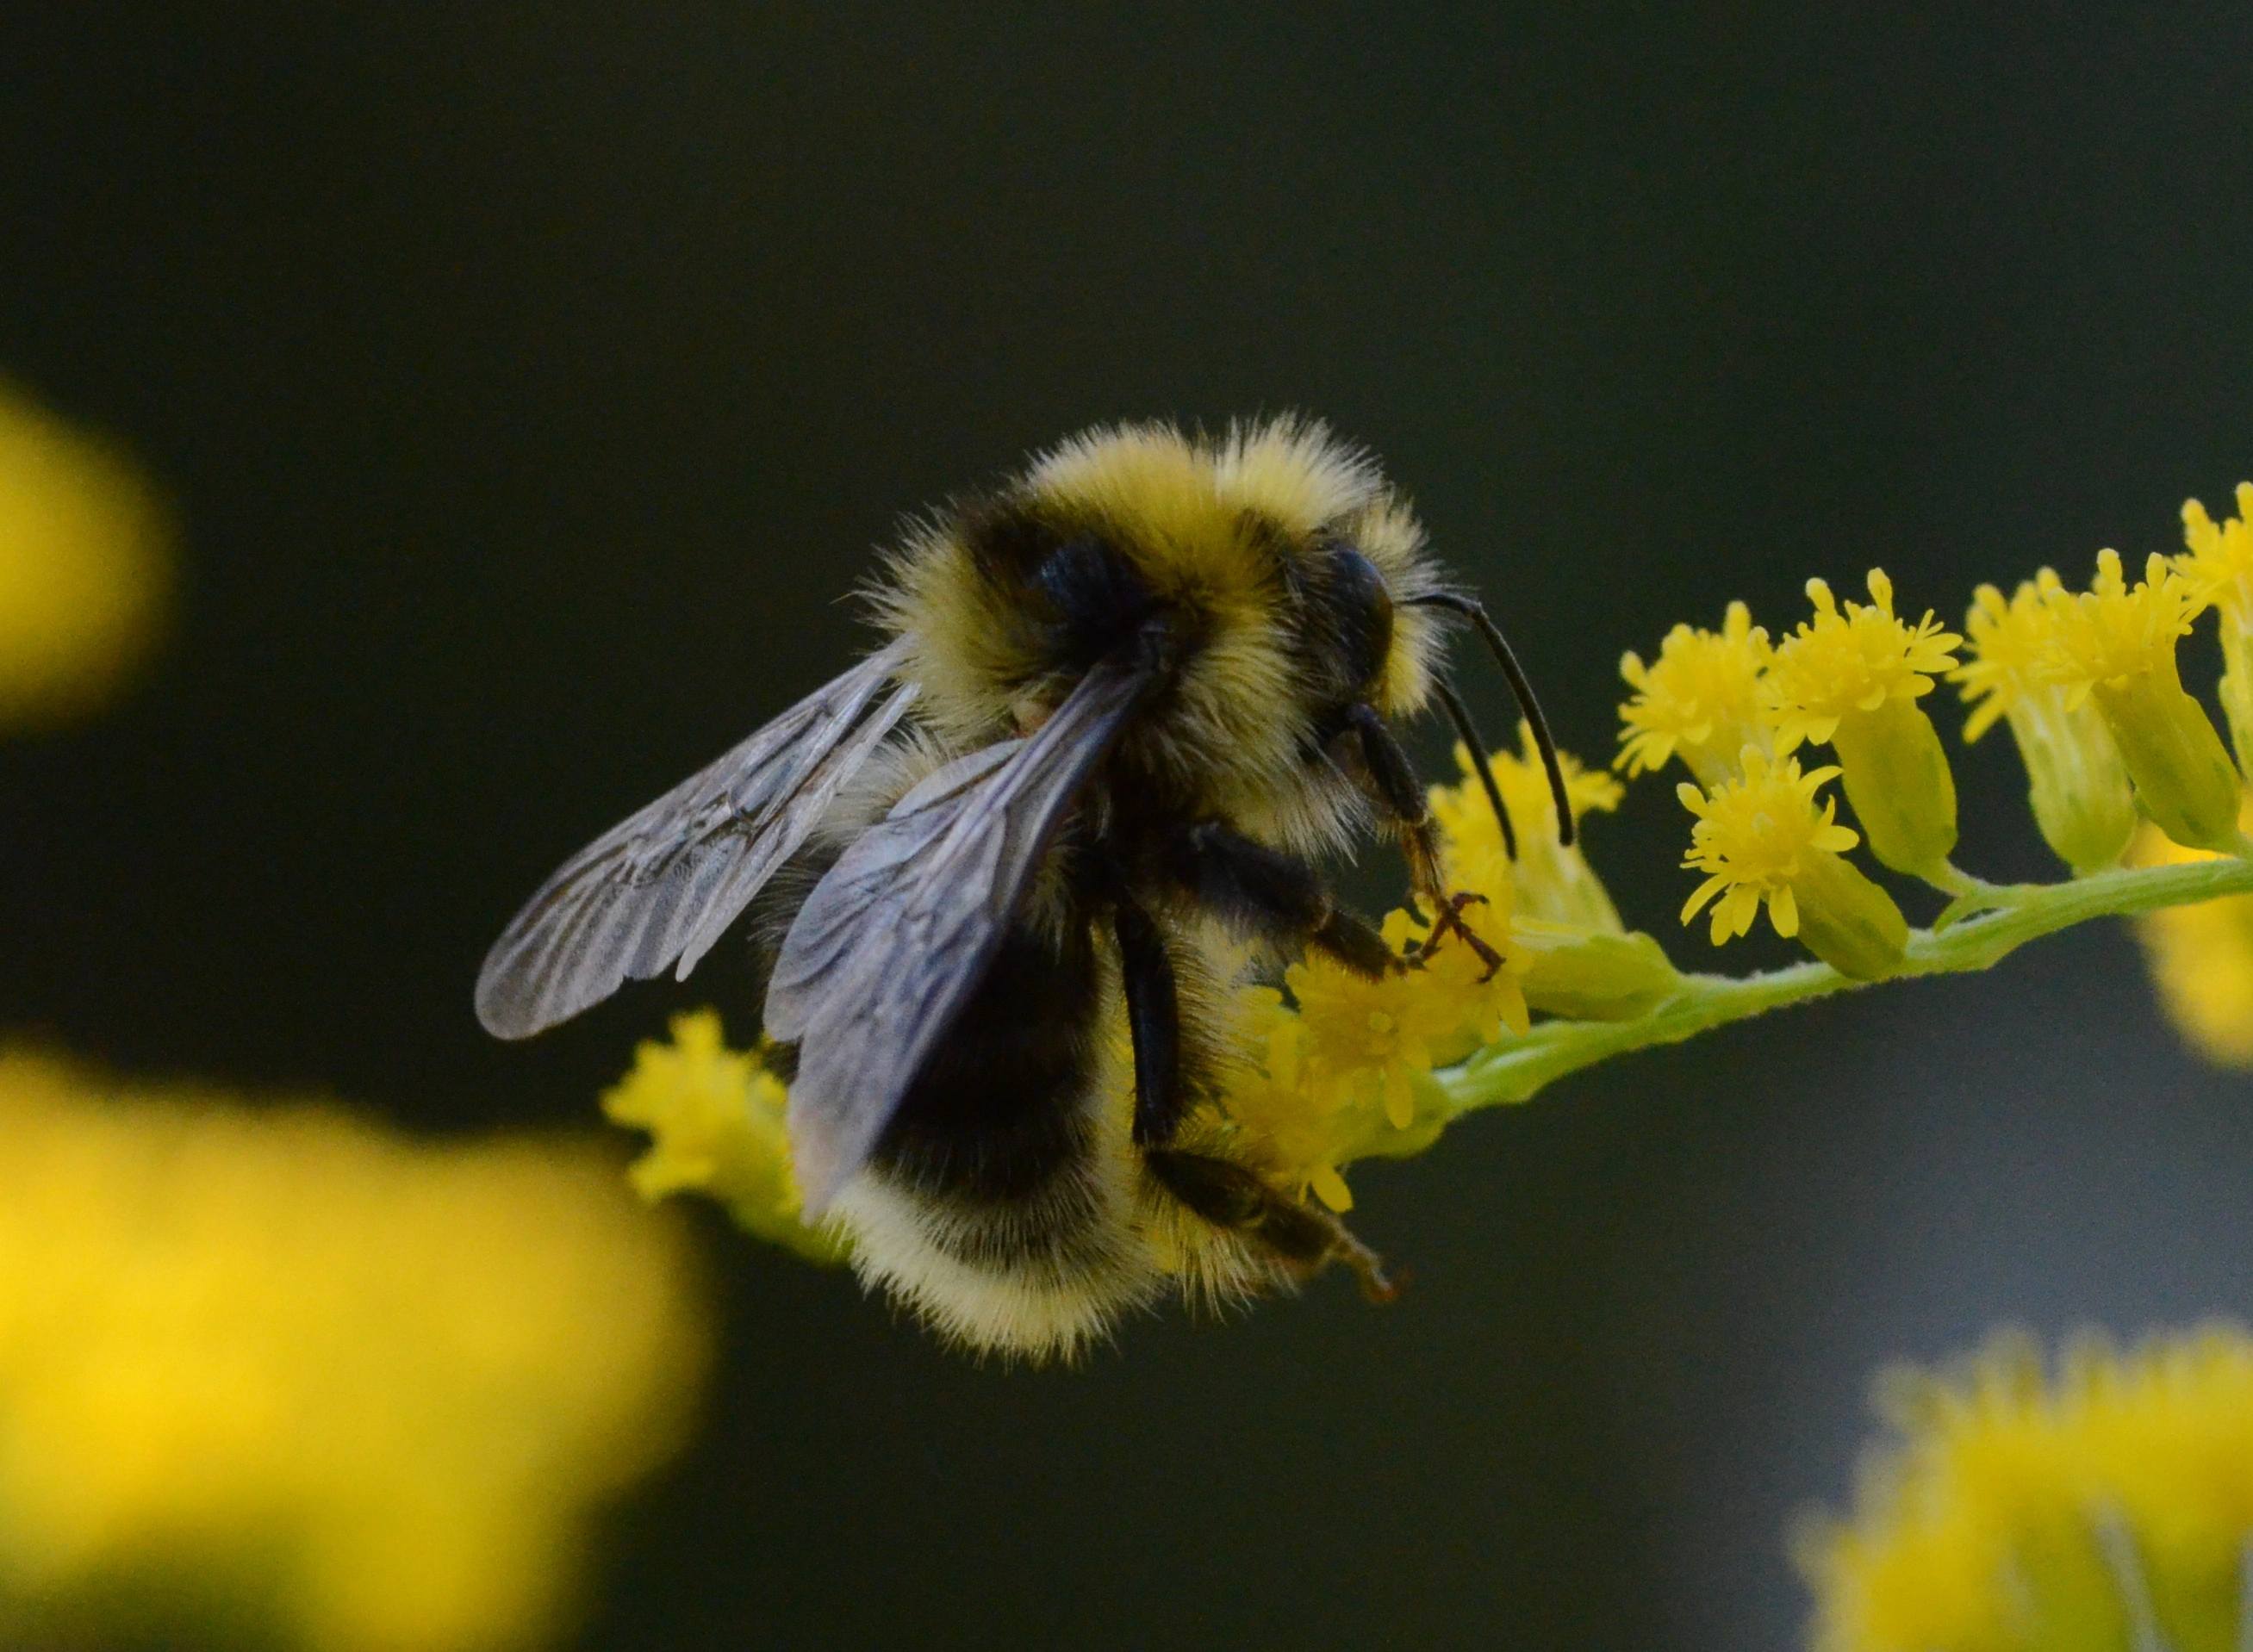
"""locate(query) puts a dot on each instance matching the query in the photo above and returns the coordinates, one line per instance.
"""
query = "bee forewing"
(662, 885)
(892, 942)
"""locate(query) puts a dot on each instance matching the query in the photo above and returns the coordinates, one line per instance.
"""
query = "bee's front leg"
(1399, 793)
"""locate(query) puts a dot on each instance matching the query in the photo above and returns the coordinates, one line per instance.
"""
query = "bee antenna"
(1460, 714)
(1471, 608)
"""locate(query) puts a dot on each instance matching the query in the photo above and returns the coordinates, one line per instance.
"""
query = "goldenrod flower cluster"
(84, 566)
(296, 1366)
(2110, 1506)
(1850, 676)
(2088, 681)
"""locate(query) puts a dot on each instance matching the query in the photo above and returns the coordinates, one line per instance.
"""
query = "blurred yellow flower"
(714, 1117)
(84, 566)
(2200, 956)
(371, 1388)
(2110, 1508)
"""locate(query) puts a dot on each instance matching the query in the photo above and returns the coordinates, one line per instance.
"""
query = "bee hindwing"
(894, 940)
(661, 886)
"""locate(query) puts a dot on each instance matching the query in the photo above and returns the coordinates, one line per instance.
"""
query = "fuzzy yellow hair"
(1211, 528)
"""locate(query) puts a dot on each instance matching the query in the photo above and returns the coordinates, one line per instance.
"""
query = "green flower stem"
(1518, 1069)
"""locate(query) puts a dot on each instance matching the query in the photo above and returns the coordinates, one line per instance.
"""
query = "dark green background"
(534, 378)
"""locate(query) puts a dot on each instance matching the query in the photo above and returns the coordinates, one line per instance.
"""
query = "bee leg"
(1305, 1237)
(1260, 891)
(1400, 794)
(1154, 1022)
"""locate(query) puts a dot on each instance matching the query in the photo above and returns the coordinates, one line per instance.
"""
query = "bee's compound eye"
(1361, 619)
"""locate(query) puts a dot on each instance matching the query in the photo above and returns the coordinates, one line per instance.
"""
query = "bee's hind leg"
(1305, 1237)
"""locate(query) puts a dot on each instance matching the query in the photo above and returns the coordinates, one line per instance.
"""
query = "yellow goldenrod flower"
(714, 1117)
(2075, 781)
(1580, 961)
(1852, 678)
(84, 550)
(2110, 1508)
(2118, 645)
(2202, 956)
(365, 1393)
(1365, 1040)
(2220, 567)
(1552, 882)
(1303, 1130)
(1700, 701)
(1761, 839)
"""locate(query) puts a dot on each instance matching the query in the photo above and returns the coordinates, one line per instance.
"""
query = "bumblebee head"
(1278, 552)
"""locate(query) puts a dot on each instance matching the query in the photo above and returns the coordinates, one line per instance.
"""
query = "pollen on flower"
(1698, 700)
(2110, 1505)
(1756, 837)
(1851, 659)
(714, 1117)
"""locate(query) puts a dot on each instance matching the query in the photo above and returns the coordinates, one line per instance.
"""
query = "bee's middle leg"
(1265, 893)
(1154, 1023)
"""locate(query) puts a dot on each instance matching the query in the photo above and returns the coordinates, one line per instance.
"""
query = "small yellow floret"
(2117, 645)
(85, 554)
(1699, 698)
(2110, 1508)
(338, 1388)
(714, 1117)
(1854, 660)
(1301, 1130)
(2219, 561)
(1552, 882)
(1365, 1040)
(2010, 641)
(1755, 837)
(2112, 634)
(2220, 566)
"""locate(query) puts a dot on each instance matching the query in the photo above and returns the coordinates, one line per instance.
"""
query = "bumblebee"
(1129, 700)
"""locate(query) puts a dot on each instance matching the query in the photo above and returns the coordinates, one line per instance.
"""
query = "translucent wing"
(891, 944)
(663, 885)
